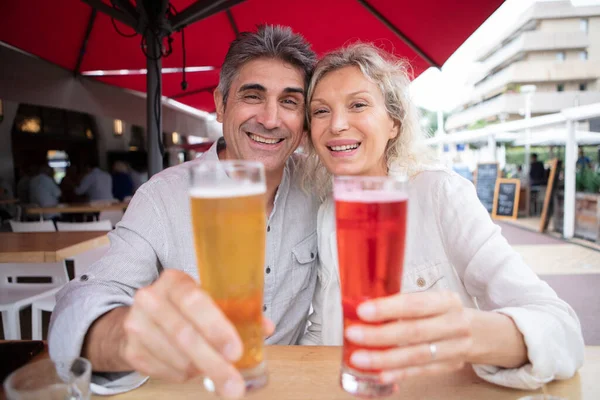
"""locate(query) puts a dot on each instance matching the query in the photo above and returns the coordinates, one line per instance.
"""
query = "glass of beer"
(229, 224)
(371, 214)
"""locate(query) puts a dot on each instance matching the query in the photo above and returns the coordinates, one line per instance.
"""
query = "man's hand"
(174, 331)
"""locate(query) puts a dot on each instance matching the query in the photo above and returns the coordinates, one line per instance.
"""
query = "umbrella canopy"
(425, 32)
(120, 44)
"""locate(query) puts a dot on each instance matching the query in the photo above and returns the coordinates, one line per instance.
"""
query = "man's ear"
(219, 104)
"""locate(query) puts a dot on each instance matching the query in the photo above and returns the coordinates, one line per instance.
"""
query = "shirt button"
(421, 282)
(268, 270)
(83, 278)
(312, 255)
(269, 228)
(264, 308)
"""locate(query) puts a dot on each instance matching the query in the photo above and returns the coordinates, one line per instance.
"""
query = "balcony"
(535, 41)
(525, 72)
(514, 103)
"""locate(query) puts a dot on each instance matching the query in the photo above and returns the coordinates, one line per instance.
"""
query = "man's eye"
(251, 97)
(290, 101)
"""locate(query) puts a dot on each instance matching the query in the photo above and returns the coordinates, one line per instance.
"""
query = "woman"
(467, 296)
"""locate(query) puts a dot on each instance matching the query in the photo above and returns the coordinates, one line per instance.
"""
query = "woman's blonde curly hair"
(406, 153)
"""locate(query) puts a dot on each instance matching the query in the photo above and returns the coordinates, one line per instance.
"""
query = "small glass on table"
(49, 380)
(371, 216)
(229, 224)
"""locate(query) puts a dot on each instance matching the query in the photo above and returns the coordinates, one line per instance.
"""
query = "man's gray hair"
(269, 41)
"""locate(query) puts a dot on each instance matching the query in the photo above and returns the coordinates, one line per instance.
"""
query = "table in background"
(34, 247)
(75, 208)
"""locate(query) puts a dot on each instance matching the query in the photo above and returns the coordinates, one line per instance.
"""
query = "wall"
(7, 171)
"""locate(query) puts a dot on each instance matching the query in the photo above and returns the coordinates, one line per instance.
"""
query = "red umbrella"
(73, 35)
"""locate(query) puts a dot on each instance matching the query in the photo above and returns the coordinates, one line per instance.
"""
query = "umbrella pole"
(154, 103)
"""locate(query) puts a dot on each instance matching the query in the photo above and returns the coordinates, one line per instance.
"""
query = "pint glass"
(371, 215)
(228, 220)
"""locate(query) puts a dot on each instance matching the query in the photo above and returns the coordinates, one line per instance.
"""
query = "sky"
(444, 89)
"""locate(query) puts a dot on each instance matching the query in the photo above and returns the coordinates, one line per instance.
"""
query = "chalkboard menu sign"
(506, 199)
(485, 183)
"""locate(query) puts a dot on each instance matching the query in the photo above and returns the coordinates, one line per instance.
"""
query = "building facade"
(554, 46)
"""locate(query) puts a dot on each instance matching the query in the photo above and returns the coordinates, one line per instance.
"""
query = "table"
(73, 208)
(310, 372)
(48, 246)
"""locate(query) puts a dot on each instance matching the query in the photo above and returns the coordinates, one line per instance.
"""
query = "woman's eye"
(319, 111)
(359, 105)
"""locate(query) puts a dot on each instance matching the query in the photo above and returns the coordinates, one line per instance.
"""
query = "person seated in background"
(583, 161)
(96, 184)
(537, 172)
(25, 173)
(68, 184)
(43, 191)
(121, 181)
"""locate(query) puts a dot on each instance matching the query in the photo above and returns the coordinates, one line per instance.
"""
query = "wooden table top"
(47, 246)
(71, 208)
(306, 372)
(311, 372)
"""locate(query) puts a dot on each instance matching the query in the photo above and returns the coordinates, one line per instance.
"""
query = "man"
(96, 185)
(537, 172)
(583, 161)
(126, 315)
(43, 191)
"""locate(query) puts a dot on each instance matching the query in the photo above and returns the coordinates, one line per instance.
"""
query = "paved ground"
(572, 270)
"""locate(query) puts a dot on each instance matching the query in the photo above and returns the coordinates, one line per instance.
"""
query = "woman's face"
(350, 126)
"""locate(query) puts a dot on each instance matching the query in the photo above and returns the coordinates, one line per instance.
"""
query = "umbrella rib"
(112, 12)
(232, 23)
(200, 10)
(126, 7)
(191, 92)
(398, 33)
(84, 43)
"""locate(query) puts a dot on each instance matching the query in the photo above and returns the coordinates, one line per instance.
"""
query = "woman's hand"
(428, 332)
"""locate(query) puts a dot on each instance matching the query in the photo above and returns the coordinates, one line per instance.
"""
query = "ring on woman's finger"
(433, 351)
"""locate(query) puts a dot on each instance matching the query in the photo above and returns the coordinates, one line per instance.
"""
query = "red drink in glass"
(371, 215)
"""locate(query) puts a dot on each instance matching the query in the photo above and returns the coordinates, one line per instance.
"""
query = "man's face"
(263, 119)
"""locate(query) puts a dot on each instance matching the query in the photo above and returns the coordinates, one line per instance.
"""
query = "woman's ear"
(395, 131)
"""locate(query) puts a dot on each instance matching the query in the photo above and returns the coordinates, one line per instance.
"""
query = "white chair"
(84, 226)
(16, 293)
(113, 216)
(41, 226)
(82, 263)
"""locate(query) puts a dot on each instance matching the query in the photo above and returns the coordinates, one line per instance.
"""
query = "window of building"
(583, 25)
(583, 55)
(561, 56)
(582, 87)
(560, 87)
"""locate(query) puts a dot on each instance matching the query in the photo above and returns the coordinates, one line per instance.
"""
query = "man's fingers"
(200, 310)
(268, 327)
(408, 306)
(228, 381)
(155, 339)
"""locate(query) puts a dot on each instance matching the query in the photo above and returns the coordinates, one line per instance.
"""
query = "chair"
(84, 226)
(18, 290)
(41, 226)
(113, 216)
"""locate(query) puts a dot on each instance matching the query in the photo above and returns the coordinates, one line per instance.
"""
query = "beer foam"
(370, 196)
(239, 190)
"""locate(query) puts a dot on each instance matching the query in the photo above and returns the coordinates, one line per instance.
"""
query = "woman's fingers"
(447, 351)
(409, 332)
(408, 306)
